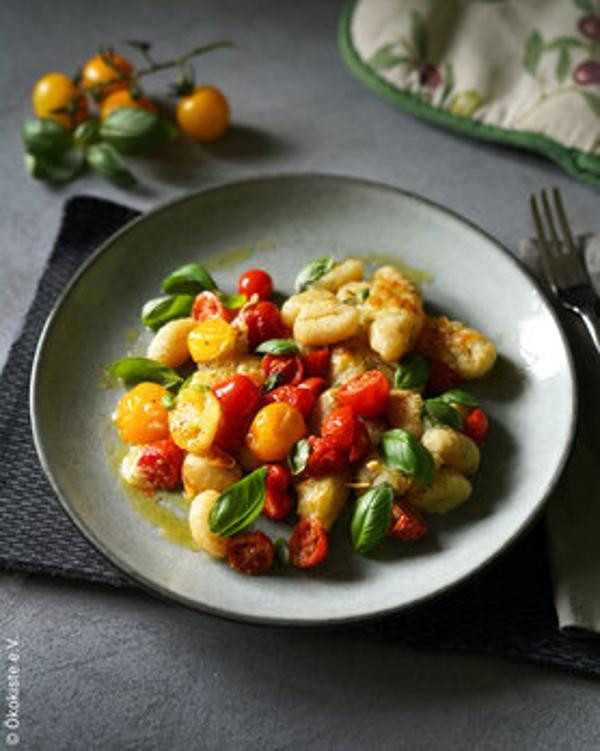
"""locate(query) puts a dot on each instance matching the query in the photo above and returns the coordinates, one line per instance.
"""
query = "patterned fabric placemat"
(507, 609)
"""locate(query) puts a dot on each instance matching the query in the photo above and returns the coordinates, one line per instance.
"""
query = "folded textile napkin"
(506, 609)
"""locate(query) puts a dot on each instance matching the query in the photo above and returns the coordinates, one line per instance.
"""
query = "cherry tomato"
(339, 428)
(256, 282)
(140, 416)
(274, 430)
(324, 458)
(308, 543)
(207, 305)
(250, 552)
(124, 98)
(362, 443)
(302, 399)
(287, 368)
(239, 397)
(315, 385)
(204, 114)
(441, 378)
(56, 91)
(475, 425)
(159, 465)
(278, 477)
(367, 393)
(407, 523)
(105, 73)
(263, 321)
(277, 504)
(316, 363)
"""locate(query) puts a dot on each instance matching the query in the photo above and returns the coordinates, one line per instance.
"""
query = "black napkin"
(506, 609)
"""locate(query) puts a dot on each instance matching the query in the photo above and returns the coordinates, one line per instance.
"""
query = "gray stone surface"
(116, 670)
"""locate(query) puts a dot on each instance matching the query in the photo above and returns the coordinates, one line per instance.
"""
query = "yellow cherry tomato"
(274, 431)
(105, 73)
(56, 91)
(140, 415)
(204, 114)
(123, 98)
(194, 420)
(211, 339)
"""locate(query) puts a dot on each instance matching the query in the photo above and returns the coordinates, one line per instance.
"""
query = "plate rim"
(163, 593)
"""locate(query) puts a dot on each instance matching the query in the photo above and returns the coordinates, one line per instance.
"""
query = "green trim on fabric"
(580, 164)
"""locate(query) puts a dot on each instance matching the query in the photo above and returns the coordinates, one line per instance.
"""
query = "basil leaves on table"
(401, 450)
(189, 280)
(313, 271)
(161, 310)
(55, 168)
(437, 412)
(133, 370)
(371, 518)
(239, 504)
(132, 129)
(44, 136)
(412, 372)
(278, 347)
(87, 132)
(298, 456)
(106, 161)
(458, 396)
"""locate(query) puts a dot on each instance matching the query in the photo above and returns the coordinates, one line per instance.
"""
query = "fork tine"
(550, 220)
(564, 223)
(542, 241)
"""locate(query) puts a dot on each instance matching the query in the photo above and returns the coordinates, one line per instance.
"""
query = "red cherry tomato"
(367, 393)
(287, 368)
(278, 478)
(159, 465)
(278, 504)
(316, 363)
(302, 399)
(475, 425)
(250, 552)
(407, 522)
(263, 321)
(207, 305)
(308, 543)
(324, 459)
(441, 378)
(315, 385)
(239, 397)
(256, 282)
(339, 428)
(362, 443)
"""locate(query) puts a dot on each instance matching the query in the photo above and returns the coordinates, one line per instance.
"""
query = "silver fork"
(562, 265)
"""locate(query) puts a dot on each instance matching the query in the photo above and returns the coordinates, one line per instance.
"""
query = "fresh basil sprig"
(401, 450)
(458, 396)
(134, 370)
(133, 130)
(313, 271)
(278, 347)
(371, 518)
(298, 456)
(189, 280)
(239, 504)
(412, 372)
(161, 310)
(106, 161)
(46, 137)
(56, 168)
(439, 412)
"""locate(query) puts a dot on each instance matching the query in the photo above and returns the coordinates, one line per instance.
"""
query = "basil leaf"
(233, 302)
(271, 382)
(107, 161)
(357, 297)
(278, 347)
(189, 280)
(371, 518)
(412, 372)
(168, 402)
(133, 370)
(43, 136)
(56, 169)
(131, 129)
(313, 271)
(400, 450)
(87, 132)
(239, 504)
(458, 396)
(282, 552)
(438, 411)
(298, 456)
(161, 310)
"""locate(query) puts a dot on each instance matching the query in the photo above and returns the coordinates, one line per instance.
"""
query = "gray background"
(116, 670)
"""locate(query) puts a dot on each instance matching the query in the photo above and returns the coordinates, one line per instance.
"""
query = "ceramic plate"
(280, 223)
